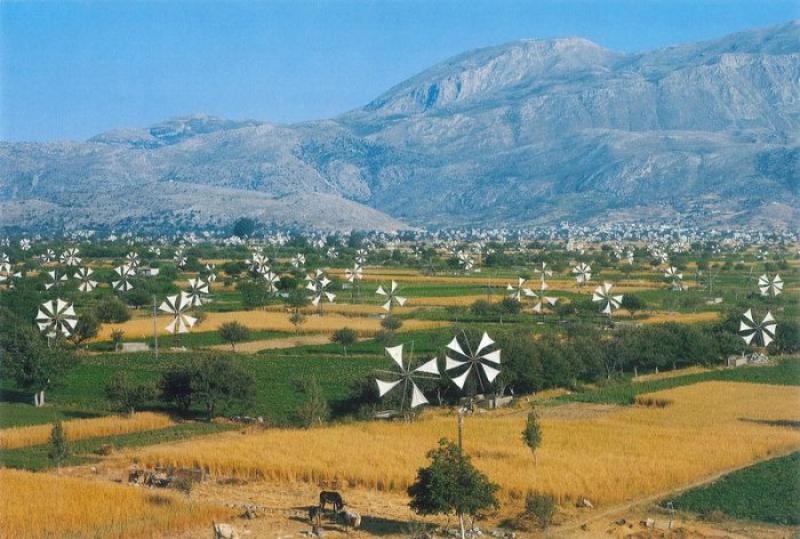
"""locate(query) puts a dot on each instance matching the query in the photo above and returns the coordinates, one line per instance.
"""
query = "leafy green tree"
(176, 386)
(532, 434)
(297, 319)
(244, 227)
(87, 327)
(253, 294)
(391, 323)
(542, 507)
(633, 304)
(218, 382)
(117, 336)
(452, 485)
(234, 332)
(314, 410)
(127, 393)
(59, 445)
(29, 360)
(346, 337)
(111, 309)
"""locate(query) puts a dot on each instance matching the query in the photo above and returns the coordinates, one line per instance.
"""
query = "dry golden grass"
(77, 429)
(621, 454)
(140, 327)
(671, 374)
(36, 505)
(659, 317)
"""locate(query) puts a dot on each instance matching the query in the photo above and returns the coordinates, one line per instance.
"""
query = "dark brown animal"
(332, 497)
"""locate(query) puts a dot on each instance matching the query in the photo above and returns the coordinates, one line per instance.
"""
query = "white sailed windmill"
(56, 279)
(675, 277)
(466, 260)
(259, 264)
(7, 271)
(211, 273)
(124, 273)
(176, 305)
(84, 275)
(332, 253)
(391, 296)
(519, 291)
(583, 273)
(354, 274)
(480, 361)
(361, 256)
(70, 257)
(48, 256)
(197, 290)
(299, 260)
(406, 376)
(56, 318)
(272, 279)
(317, 283)
(542, 298)
(759, 334)
(608, 302)
(770, 287)
(544, 271)
(132, 259)
(25, 244)
(179, 258)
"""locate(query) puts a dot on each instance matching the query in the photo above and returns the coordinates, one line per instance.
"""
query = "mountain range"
(529, 132)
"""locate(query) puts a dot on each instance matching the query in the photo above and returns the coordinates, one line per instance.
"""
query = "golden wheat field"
(620, 455)
(78, 429)
(263, 320)
(36, 505)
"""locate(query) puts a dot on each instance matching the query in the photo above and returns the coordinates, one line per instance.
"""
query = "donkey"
(332, 497)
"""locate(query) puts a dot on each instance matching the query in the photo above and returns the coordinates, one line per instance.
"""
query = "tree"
(540, 506)
(244, 227)
(632, 303)
(390, 323)
(127, 393)
(234, 332)
(346, 337)
(296, 300)
(87, 327)
(176, 386)
(451, 484)
(59, 446)
(29, 360)
(253, 294)
(111, 309)
(314, 410)
(532, 434)
(216, 381)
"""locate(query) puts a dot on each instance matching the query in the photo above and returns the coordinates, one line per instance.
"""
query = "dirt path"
(588, 524)
(274, 344)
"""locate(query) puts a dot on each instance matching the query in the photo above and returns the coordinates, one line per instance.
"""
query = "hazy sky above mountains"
(70, 70)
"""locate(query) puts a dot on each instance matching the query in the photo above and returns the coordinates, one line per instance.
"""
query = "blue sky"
(70, 70)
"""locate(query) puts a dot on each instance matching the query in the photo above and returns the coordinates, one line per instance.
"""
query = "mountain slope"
(534, 131)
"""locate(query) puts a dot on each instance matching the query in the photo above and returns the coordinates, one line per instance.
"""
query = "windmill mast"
(155, 329)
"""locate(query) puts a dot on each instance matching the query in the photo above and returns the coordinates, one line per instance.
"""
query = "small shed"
(135, 347)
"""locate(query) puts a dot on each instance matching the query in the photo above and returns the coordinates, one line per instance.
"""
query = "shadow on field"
(373, 525)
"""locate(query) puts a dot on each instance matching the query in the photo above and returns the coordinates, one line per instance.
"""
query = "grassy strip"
(765, 492)
(786, 372)
(83, 451)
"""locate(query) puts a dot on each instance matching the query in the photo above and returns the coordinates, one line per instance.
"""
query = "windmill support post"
(155, 329)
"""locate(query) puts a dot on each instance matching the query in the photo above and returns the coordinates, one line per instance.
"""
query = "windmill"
(583, 273)
(211, 273)
(56, 318)
(770, 287)
(406, 377)
(124, 273)
(332, 253)
(197, 289)
(317, 283)
(259, 264)
(354, 276)
(272, 280)
(391, 296)
(675, 277)
(48, 256)
(544, 271)
(84, 275)
(132, 259)
(542, 298)
(298, 260)
(56, 279)
(179, 258)
(361, 256)
(7, 271)
(25, 244)
(485, 363)
(176, 305)
(760, 334)
(70, 257)
(519, 291)
(466, 260)
(608, 302)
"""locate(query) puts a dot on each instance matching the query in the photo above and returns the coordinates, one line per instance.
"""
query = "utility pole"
(155, 329)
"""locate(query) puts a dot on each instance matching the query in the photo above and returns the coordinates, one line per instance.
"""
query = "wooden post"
(155, 329)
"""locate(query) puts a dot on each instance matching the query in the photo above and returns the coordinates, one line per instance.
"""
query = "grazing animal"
(224, 531)
(350, 519)
(332, 497)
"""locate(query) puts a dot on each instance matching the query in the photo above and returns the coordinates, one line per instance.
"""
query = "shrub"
(111, 309)
(540, 506)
